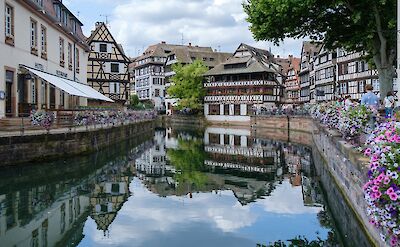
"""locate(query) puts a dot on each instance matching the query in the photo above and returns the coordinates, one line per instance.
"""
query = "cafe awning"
(69, 86)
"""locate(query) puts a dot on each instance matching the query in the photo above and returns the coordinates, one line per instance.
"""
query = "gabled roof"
(257, 61)
(103, 31)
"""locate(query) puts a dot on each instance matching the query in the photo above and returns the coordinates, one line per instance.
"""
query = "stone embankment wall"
(31, 148)
(348, 170)
(182, 120)
(293, 123)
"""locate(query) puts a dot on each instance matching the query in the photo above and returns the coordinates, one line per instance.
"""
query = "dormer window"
(103, 48)
(39, 2)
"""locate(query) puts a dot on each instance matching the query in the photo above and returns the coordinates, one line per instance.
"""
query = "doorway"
(9, 93)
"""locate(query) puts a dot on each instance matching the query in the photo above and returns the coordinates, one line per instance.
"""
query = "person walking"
(370, 99)
(348, 103)
(389, 104)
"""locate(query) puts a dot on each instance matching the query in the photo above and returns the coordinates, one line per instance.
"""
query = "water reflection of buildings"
(109, 193)
(233, 160)
(52, 210)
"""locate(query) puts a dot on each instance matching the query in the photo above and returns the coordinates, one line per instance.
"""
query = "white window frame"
(33, 32)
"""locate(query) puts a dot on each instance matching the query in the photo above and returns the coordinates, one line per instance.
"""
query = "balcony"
(239, 83)
(348, 57)
(361, 75)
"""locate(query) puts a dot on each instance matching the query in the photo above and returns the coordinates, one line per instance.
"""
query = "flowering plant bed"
(84, 118)
(351, 122)
(42, 118)
(382, 190)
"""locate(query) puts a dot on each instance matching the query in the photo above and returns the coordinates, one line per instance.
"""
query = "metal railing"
(77, 120)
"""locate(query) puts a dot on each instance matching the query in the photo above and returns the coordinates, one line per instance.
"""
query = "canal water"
(177, 187)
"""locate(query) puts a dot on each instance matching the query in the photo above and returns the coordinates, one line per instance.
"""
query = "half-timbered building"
(292, 83)
(353, 74)
(308, 52)
(325, 75)
(249, 79)
(108, 66)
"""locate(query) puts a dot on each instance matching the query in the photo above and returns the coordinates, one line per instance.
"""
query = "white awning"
(69, 86)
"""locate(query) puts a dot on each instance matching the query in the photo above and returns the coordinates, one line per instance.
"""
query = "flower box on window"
(9, 40)
(62, 63)
(44, 55)
(70, 66)
(77, 70)
(34, 51)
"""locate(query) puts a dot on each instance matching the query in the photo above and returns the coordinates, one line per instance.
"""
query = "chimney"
(163, 42)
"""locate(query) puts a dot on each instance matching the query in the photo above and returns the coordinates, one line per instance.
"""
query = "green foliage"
(188, 85)
(188, 159)
(355, 25)
(134, 100)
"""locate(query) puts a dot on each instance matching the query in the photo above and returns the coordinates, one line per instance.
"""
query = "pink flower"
(390, 191)
(386, 180)
(393, 197)
(367, 152)
(375, 188)
(379, 194)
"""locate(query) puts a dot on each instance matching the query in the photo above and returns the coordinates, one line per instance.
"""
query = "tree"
(187, 85)
(134, 100)
(355, 25)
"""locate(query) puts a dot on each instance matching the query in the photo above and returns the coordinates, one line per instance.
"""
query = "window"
(226, 110)
(69, 54)
(39, 2)
(157, 92)
(114, 68)
(33, 84)
(214, 110)
(77, 64)
(62, 98)
(9, 21)
(43, 99)
(103, 47)
(33, 35)
(43, 40)
(114, 87)
(62, 54)
(237, 110)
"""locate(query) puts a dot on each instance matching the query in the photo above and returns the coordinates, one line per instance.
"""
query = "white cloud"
(288, 200)
(220, 24)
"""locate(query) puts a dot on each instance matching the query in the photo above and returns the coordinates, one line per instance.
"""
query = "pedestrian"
(389, 104)
(348, 103)
(369, 99)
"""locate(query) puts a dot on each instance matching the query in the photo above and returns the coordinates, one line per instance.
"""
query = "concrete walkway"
(63, 130)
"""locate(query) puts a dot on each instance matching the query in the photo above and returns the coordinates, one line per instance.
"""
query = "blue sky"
(137, 24)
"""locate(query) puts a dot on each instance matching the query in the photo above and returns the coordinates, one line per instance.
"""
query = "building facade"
(353, 73)
(292, 82)
(324, 75)
(108, 66)
(149, 71)
(39, 37)
(307, 85)
(249, 79)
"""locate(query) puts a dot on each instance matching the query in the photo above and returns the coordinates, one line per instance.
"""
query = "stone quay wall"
(15, 150)
(348, 170)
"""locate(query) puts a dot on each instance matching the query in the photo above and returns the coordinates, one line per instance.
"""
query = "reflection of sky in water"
(208, 219)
